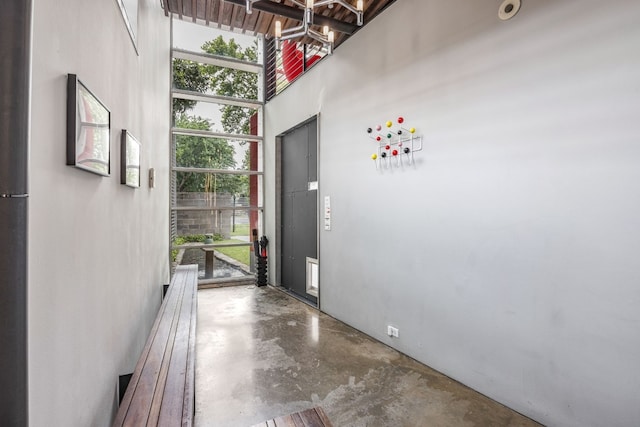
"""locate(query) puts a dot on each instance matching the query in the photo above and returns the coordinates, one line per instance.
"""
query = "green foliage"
(188, 75)
(229, 82)
(208, 153)
(191, 238)
(213, 153)
(176, 242)
(241, 230)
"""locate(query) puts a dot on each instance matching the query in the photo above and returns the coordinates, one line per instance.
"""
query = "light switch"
(327, 213)
(152, 177)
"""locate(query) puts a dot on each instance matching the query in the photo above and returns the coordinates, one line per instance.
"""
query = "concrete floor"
(262, 354)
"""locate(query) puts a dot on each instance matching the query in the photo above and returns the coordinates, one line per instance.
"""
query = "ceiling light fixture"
(326, 37)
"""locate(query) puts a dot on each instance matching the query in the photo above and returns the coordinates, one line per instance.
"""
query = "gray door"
(299, 219)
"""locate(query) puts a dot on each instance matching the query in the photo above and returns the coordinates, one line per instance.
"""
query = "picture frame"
(88, 129)
(129, 160)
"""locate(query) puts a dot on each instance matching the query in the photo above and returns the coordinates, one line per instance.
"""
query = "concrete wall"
(98, 250)
(204, 222)
(507, 257)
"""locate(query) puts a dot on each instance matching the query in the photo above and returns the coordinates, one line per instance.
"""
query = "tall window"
(216, 149)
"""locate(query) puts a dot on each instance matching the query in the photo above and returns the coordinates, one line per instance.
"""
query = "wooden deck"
(314, 417)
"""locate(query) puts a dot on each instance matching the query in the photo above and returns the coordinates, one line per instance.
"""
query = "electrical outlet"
(392, 332)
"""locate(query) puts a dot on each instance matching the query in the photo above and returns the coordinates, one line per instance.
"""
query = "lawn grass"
(239, 253)
(241, 230)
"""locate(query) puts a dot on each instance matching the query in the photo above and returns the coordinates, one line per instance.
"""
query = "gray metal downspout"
(15, 77)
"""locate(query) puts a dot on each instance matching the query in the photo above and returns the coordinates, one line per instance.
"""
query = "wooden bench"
(314, 417)
(162, 388)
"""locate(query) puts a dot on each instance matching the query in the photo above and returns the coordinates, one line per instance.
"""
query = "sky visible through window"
(188, 35)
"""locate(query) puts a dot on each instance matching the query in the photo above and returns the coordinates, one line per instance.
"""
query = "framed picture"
(129, 160)
(88, 129)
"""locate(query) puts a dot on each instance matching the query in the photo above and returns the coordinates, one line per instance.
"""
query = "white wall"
(508, 256)
(98, 251)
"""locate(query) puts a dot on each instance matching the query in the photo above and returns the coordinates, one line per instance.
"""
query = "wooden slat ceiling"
(232, 15)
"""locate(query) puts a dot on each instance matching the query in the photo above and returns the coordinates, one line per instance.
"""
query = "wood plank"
(220, 17)
(173, 397)
(143, 387)
(314, 417)
(297, 420)
(323, 417)
(189, 407)
(285, 421)
(227, 15)
(154, 372)
(166, 386)
(375, 7)
(172, 5)
(214, 10)
(201, 9)
(237, 17)
(180, 8)
(250, 23)
(311, 418)
(186, 9)
(165, 369)
(265, 24)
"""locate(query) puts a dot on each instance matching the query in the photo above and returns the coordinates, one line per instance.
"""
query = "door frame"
(278, 204)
